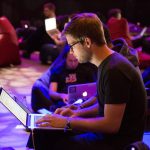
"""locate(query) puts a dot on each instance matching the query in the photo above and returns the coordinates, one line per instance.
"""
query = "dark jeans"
(73, 140)
(56, 140)
(40, 98)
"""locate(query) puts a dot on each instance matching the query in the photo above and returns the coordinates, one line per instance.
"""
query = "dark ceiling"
(133, 10)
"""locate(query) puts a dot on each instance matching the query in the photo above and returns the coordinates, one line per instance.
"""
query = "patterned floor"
(17, 80)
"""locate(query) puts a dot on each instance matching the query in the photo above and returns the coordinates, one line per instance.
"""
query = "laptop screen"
(81, 91)
(13, 107)
(50, 24)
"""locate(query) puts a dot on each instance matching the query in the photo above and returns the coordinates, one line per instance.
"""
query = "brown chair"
(9, 49)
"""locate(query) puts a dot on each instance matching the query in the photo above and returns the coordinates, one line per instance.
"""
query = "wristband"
(68, 126)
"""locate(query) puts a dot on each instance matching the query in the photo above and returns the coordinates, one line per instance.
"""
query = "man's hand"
(54, 34)
(64, 97)
(66, 112)
(54, 120)
(72, 106)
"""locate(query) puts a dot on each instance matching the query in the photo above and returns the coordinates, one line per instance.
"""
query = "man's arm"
(54, 94)
(89, 111)
(89, 102)
(56, 36)
(110, 123)
(53, 90)
(88, 108)
(85, 112)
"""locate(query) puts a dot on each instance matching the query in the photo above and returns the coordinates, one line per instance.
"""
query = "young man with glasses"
(118, 118)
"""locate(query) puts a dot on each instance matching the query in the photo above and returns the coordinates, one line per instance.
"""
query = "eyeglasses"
(71, 46)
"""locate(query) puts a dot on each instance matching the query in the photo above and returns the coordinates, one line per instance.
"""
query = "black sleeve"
(90, 72)
(117, 87)
(54, 77)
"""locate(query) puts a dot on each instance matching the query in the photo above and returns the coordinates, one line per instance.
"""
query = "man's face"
(71, 61)
(80, 51)
(47, 12)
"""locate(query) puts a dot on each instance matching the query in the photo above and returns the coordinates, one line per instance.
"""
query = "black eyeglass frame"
(78, 41)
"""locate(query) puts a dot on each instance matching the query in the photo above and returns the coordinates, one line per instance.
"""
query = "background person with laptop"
(65, 71)
(49, 46)
(119, 28)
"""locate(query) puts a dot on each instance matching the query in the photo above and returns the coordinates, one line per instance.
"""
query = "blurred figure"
(9, 49)
(118, 26)
(49, 10)
(49, 46)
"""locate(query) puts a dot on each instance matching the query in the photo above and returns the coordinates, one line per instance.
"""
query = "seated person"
(118, 26)
(9, 49)
(64, 72)
(40, 40)
(112, 123)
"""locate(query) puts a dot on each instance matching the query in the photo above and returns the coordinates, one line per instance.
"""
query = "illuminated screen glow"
(13, 107)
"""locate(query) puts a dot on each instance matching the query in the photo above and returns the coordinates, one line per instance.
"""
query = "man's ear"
(88, 42)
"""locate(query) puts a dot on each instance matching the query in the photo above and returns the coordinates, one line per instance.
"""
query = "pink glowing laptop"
(80, 92)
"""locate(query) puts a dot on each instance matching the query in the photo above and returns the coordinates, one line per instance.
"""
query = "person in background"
(42, 41)
(112, 123)
(50, 90)
(118, 26)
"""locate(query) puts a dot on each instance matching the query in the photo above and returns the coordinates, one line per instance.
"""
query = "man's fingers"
(46, 118)
(44, 124)
(66, 112)
(58, 110)
(63, 113)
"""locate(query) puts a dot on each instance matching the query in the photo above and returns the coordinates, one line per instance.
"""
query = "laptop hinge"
(0, 90)
(28, 120)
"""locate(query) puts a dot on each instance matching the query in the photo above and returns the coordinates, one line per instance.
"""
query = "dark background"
(134, 10)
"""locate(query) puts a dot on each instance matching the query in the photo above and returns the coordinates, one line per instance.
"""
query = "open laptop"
(51, 26)
(81, 92)
(21, 112)
(141, 34)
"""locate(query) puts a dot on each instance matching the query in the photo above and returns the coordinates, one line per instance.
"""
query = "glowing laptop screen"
(15, 108)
